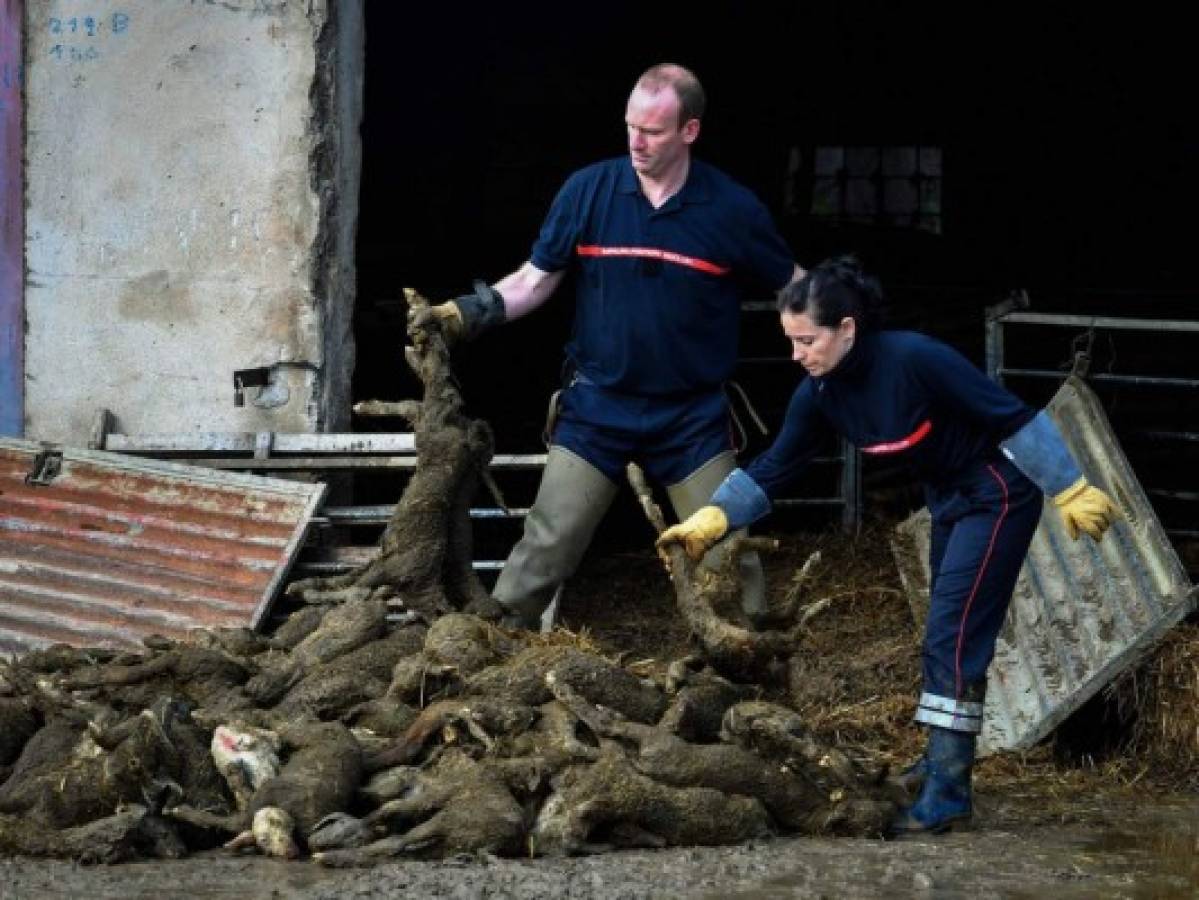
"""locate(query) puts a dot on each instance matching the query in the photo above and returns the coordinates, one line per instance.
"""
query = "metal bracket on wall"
(47, 466)
(244, 378)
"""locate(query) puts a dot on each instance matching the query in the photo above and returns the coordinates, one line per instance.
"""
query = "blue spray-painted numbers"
(92, 26)
(82, 27)
(74, 25)
(71, 53)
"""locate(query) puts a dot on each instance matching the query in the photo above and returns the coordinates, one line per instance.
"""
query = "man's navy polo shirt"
(659, 290)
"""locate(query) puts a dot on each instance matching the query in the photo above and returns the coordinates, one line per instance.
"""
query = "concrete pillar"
(192, 172)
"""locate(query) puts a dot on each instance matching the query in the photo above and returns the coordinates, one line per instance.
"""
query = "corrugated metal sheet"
(113, 548)
(1082, 612)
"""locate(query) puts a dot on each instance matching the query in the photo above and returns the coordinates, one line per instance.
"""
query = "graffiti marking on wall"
(79, 38)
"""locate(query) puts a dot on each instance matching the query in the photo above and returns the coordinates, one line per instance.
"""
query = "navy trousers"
(982, 523)
(669, 437)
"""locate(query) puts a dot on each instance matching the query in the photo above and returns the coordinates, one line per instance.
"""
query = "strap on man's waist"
(735, 392)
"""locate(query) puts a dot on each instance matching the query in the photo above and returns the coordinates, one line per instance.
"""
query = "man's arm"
(487, 306)
(526, 289)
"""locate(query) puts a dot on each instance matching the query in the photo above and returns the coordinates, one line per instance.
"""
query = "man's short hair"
(685, 85)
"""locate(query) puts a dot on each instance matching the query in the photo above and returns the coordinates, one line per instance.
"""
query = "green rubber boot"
(571, 501)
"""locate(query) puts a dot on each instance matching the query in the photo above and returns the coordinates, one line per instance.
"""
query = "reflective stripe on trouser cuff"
(945, 712)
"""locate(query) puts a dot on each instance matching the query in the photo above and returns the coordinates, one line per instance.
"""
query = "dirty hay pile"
(389, 717)
(1157, 706)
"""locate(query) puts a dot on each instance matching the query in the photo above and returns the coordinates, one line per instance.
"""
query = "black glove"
(481, 310)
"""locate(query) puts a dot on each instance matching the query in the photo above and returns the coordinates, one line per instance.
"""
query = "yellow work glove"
(447, 315)
(1083, 507)
(697, 533)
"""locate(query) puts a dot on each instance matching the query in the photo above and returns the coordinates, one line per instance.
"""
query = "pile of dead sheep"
(388, 716)
(353, 737)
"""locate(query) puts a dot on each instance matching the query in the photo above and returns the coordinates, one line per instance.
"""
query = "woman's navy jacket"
(900, 394)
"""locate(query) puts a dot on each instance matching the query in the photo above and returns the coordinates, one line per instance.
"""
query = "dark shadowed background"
(1066, 143)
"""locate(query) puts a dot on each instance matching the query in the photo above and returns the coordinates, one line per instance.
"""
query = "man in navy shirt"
(665, 247)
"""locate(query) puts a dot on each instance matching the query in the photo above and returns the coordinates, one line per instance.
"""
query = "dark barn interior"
(1067, 170)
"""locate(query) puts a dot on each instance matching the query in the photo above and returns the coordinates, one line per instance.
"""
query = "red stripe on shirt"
(911, 440)
(669, 256)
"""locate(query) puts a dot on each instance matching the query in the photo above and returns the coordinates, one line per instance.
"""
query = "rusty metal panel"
(100, 549)
(1082, 612)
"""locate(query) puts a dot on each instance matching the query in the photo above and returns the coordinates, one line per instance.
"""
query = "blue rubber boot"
(911, 780)
(944, 800)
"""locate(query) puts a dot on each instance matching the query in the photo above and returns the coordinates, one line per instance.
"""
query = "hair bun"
(838, 287)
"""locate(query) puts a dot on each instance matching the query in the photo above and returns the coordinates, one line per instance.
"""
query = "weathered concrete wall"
(191, 198)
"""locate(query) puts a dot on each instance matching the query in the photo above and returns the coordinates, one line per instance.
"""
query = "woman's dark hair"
(834, 289)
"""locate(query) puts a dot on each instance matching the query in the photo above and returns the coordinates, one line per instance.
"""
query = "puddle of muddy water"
(1162, 856)
(1152, 853)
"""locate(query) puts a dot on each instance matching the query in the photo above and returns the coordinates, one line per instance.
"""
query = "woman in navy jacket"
(985, 459)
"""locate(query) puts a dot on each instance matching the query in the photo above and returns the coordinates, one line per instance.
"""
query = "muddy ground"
(1114, 843)
(1068, 819)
